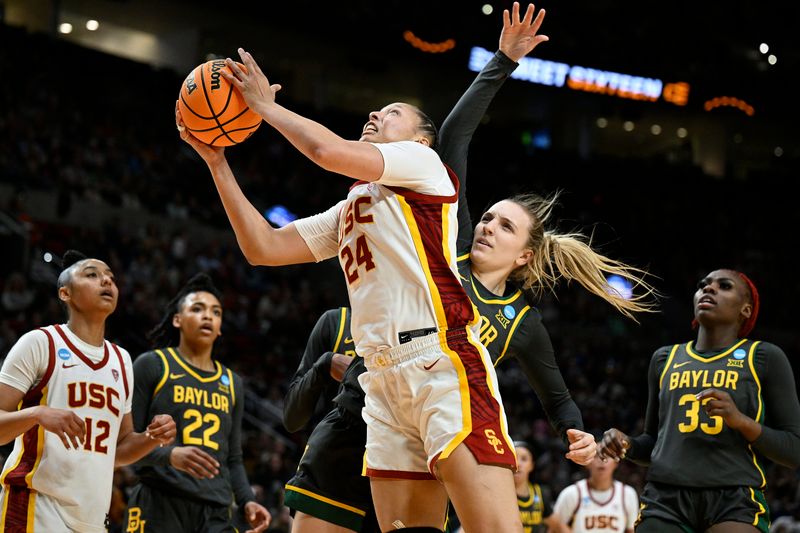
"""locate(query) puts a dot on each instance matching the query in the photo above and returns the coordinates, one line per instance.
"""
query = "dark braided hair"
(165, 334)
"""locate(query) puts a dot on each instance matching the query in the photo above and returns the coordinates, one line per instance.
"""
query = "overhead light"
(602, 122)
(772, 59)
(778, 151)
(763, 48)
(682, 132)
(655, 129)
(65, 27)
(92, 25)
(628, 125)
(487, 9)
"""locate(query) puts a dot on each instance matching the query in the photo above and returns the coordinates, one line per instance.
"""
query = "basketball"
(213, 109)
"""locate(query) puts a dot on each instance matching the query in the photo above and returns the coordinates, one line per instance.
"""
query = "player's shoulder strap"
(122, 368)
(36, 391)
(578, 505)
(165, 375)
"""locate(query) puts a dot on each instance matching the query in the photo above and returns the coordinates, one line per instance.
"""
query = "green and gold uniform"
(534, 509)
(207, 408)
(703, 472)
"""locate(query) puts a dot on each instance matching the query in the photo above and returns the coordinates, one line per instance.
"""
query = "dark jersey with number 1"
(207, 408)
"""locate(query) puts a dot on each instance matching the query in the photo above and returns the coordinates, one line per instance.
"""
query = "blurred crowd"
(71, 143)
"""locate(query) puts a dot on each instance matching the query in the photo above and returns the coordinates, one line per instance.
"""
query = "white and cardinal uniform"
(45, 486)
(591, 511)
(430, 384)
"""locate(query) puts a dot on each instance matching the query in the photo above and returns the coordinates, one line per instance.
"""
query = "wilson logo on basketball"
(216, 66)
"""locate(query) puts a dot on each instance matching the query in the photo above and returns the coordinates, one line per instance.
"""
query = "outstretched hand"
(251, 82)
(519, 37)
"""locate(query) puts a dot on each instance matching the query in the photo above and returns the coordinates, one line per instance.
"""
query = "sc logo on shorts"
(494, 442)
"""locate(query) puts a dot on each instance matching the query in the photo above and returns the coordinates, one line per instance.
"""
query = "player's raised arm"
(354, 159)
(260, 243)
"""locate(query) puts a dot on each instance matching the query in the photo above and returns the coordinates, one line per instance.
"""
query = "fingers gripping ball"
(213, 110)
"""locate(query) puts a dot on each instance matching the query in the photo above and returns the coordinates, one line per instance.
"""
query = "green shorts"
(328, 484)
(152, 511)
(698, 509)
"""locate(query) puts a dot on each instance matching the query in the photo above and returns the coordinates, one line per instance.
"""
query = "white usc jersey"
(395, 239)
(591, 511)
(54, 369)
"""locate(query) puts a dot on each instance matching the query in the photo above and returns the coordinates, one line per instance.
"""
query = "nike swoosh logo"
(176, 376)
(678, 365)
(65, 365)
(428, 367)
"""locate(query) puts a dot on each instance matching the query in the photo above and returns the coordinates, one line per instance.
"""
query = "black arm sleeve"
(459, 126)
(538, 362)
(780, 433)
(148, 369)
(313, 374)
(242, 491)
(642, 446)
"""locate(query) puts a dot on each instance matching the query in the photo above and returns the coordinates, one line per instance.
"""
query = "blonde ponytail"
(571, 257)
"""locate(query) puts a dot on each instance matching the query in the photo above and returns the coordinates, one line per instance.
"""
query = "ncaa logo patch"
(225, 379)
(509, 312)
(64, 354)
(739, 354)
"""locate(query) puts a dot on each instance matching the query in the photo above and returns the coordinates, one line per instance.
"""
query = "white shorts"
(426, 397)
(23, 509)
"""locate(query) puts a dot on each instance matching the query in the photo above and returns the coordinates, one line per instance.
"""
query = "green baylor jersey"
(202, 405)
(692, 448)
(533, 510)
(500, 316)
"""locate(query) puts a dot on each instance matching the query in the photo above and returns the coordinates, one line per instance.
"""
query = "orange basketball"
(213, 109)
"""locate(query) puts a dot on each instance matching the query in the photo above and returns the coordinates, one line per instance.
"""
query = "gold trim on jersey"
(504, 300)
(233, 391)
(194, 374)
(166, 372)
(713, 357)
(669, 362)
(462, 257)
(478, 346)
(327, 500)
(441, 318)
(511, 332)
(531, 493)
(39, 448)
(761, 509)
(446, 208)
(759, 412)
(342, 320)
(416, 238)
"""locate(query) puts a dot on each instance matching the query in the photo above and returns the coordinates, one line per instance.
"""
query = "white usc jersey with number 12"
(98, 390)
